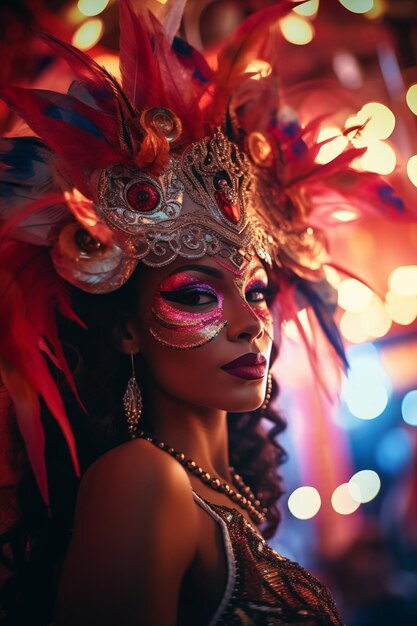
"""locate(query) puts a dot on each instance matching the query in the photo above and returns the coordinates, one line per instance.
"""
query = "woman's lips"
(250, 366)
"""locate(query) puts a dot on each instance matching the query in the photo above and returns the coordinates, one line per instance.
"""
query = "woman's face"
(204, 333)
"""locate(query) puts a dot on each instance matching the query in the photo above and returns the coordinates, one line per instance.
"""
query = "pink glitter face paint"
(178, 327)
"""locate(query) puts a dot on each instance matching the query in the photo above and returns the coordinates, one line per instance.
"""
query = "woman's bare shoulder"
(137, 469)
(134, 537)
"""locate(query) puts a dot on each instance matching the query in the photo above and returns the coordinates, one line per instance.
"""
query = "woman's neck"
(200, 433)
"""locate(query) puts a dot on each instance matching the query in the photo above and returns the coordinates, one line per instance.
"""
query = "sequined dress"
(264, 588)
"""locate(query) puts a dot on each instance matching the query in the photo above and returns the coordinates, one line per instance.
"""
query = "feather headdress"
(107, 175)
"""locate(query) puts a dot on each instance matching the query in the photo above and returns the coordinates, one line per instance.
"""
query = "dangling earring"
(132, 402)
(268, 392)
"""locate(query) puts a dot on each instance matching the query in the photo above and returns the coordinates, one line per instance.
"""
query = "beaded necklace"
(244, 496)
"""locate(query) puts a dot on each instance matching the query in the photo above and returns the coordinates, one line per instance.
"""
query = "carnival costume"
(177, 161)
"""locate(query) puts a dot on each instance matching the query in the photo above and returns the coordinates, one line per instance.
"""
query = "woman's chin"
(244, 405)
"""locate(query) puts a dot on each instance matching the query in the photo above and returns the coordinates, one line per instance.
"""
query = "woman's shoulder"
(135, 518)
(137, 468)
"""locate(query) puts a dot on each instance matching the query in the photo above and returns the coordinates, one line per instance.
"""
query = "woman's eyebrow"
(205, 269)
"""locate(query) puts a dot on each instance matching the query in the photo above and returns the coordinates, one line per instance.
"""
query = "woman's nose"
(242, 322)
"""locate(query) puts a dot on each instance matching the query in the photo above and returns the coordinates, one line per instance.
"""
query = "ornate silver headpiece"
(209, 201)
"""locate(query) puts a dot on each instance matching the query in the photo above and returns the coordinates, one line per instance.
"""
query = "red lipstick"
(250, 366)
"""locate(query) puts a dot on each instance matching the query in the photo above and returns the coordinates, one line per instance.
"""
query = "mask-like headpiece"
(176, 161)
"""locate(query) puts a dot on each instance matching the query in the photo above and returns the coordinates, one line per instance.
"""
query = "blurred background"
(350, 510)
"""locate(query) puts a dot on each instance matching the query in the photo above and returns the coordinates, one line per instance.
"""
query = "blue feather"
(386, 193)
(73, 118)
(22, 155)
(322, 297)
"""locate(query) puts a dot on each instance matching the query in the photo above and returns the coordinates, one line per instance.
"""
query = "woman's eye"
(189, 297)
(257, 294)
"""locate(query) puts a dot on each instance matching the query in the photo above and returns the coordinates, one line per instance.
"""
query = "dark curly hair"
(34, 549)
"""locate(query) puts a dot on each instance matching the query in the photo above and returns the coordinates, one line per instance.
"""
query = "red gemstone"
(231, 211)
(142, 197)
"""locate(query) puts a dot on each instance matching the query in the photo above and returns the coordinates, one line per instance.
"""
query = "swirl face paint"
(181, 320)
(184, 329)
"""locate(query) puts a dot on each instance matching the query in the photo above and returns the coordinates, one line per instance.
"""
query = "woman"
(179, 209)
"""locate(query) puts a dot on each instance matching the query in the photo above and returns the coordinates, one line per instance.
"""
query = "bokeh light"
(332, 276)
(403, 280)
(366, 404)
(345, 215)
(402, 309)
(409, 408)
(296, 30)
(353, 295)
(378, 119)
(364, 486)
(351, 327)
(394, 450)
(367, 387)
(412, 169)
(304, 502)
(357, 6)
(379, 158)
(88, 34)
(92, 7)
(342, 500)
(259, 69)
(375, 318)
(411, 98)
(308, 8)
(377, 10)
(335, 146)
(347, 70)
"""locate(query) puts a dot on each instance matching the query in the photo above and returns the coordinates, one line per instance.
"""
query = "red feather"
(178, 88)
(101, 85)
(250, 41)
(141, 79)
(30, 293)
(78, 146)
